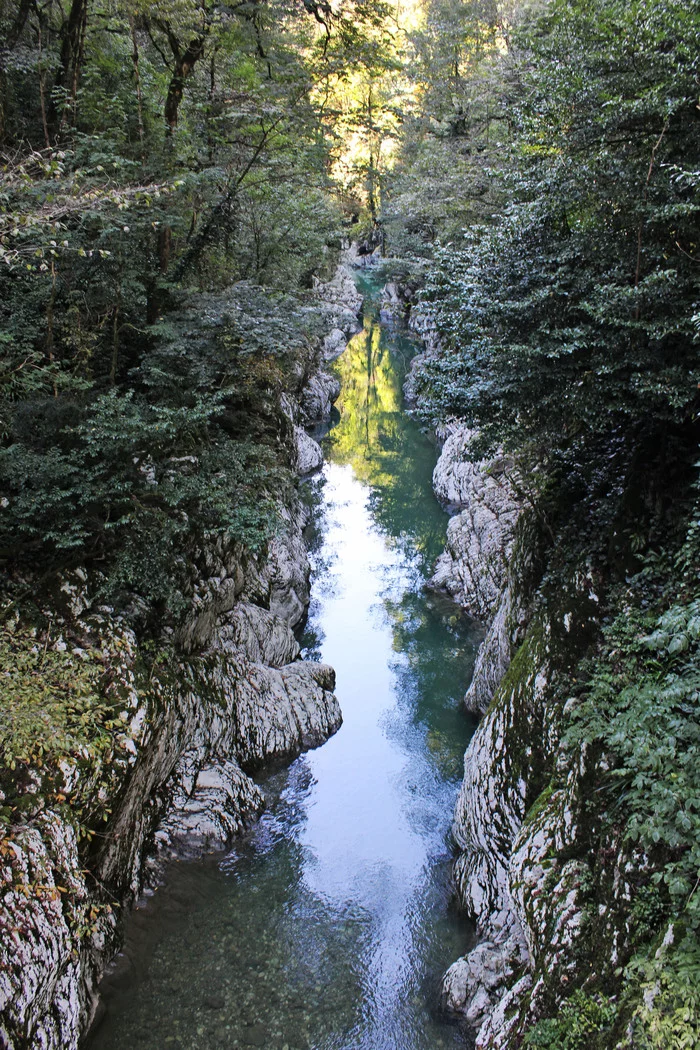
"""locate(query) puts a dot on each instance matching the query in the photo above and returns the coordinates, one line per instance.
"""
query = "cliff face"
(226, 696)
(511, 828)
(239, 700)
(547, 866)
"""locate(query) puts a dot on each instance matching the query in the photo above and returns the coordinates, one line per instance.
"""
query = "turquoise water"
(329, 925)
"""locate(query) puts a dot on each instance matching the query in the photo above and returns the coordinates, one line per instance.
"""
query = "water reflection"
(383, 444)
(328, 926)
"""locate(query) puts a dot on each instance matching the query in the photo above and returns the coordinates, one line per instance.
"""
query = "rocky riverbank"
(546, 875)
(493, 566)
(192, 720)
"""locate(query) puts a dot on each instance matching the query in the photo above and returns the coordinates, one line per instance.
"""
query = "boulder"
(318, 397)
(308, 455)
(334, 344)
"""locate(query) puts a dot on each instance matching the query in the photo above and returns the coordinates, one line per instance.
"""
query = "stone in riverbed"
(222, 802)
(256, 1035)
(340, 291)
(214, 1002)
(474, 984)
(317, 397)
(392, 304)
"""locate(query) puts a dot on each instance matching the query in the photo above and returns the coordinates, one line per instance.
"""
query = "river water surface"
(329, 925)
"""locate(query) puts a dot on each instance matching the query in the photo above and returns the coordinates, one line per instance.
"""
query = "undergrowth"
(639, 714)
(63, 731)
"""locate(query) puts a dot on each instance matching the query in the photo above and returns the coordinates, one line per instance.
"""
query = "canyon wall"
(549, 908)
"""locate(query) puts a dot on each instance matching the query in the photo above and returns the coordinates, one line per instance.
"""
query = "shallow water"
(329, 925)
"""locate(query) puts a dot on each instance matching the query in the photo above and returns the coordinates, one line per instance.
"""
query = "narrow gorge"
(349, 525)
(329, 924)
(224, 697)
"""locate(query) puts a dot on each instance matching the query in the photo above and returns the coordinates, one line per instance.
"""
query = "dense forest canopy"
(578, 307)
(150, 153)
(540, 160)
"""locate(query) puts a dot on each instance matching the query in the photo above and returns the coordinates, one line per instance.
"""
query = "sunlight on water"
(328, 926)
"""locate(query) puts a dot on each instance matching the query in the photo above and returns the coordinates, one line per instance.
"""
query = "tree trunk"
(72, 42)
(184, 64)
(137, 77)
(13, 35)
(17, 26)
(372, 170)
(165, 240)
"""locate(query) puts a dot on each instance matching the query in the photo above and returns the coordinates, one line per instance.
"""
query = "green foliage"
(138, 477)
(456, 139)
(639, 718)
(584, 1023)
(643, 709)
(650, 908)
(154, 157)
(669, 1011)
(572, 316)
(62, 736)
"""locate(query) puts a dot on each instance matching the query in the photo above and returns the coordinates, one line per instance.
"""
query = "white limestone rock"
(473, 569)
(341, 317)
(474, 984)
(212, 599)
(308, 455)
(280, 713)
(260, 634)
(43, 961)
(422, 322)
(340, 291)
(392, 306)
(340, 303)
(334, 344)
(489, 811)
(410, 386)
(222, 802)
(311, 406)
(318, 397)
(279, 578)
(488, 816)
(497, 1028)
(290, 407)
(523, 900)
(503, 636)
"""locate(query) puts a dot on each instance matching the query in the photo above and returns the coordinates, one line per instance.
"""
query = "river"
(329, 925)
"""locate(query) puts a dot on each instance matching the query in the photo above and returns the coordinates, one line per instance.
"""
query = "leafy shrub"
(131, 480)
(572, 315)
(668, 1009)
(643, 708)
(639, 715)
(581, 1021)
(62, 735)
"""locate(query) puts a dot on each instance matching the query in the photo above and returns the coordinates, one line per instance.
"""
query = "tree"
(455, 134)
(573, 316)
